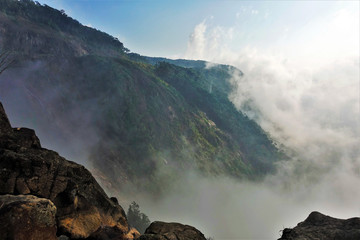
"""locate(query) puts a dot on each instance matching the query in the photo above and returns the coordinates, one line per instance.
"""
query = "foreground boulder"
(171, 231)
(27, 218)
(112, 233)
(82, 205)
(319, 226)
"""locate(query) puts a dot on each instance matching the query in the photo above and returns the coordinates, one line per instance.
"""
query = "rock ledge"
(320, 226)
(171, 231)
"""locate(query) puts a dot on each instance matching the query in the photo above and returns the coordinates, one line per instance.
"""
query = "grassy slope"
(152, 121)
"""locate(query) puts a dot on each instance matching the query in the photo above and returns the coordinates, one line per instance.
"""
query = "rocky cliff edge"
(82, 207)
(320, 226)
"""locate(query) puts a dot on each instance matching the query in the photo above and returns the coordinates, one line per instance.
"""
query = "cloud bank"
(305, 95)
(303, 89)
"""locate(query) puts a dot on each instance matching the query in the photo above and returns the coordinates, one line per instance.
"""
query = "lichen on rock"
(26, 217)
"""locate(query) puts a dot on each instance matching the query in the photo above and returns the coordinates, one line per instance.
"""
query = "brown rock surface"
(27, 218)
(171, 231)
(133, 233)
(319, 226)
(26, 168)
(113, 233)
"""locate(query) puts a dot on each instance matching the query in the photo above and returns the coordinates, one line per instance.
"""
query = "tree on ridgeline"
(136, 218)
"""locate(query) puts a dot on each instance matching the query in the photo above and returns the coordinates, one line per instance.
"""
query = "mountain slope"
(50, 32)
(139, 121)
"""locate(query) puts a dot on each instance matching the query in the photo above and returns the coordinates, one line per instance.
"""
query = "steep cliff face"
(140, 121)
(82, 207)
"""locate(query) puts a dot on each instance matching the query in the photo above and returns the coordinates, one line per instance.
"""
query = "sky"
(301, 84)
(164, 28)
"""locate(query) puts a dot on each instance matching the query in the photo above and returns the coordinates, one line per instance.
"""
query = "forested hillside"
(136, 119)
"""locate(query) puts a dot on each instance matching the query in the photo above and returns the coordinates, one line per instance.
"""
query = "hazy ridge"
(136, 118)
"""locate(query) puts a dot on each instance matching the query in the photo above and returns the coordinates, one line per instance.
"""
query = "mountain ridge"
(138, 122)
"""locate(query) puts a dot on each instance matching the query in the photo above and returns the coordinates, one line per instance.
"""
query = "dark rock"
(27, 218)
(114, 199)
(16, 138)
(26, 168)
(26, 138)
(5, 127)
(133, 234)
(152, 237)
(171, 231)
(107, 233)
(113, 233)
(319, 226)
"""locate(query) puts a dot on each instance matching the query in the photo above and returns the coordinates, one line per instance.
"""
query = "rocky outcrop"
(133, 233)
(319, 226)
(82, 205)
(171, 231)
(5, 126)
(65, 200)
(112, 233)
(27, 218)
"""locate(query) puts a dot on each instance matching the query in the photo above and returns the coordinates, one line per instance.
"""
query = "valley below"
(245, 149)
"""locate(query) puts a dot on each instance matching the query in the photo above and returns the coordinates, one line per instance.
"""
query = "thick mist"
(225, 208)
(304, 94)
(69, 132)
(306, 98)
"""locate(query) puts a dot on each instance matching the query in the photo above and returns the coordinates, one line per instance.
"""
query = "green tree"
(136, 218)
